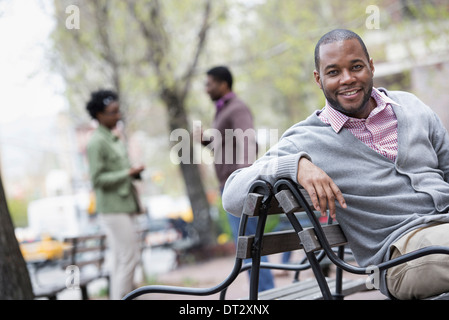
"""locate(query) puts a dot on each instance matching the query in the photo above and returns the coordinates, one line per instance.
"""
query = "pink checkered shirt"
(379, 131)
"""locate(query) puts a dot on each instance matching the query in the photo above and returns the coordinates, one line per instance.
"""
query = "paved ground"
(160, 267)
(209, 274)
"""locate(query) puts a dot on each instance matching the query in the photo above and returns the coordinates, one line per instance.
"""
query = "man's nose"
(347, 77)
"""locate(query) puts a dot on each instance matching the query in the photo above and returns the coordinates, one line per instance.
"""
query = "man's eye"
(332, 72)
(357, 67)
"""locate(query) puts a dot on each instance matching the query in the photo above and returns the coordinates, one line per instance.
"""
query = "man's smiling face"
(346, 77)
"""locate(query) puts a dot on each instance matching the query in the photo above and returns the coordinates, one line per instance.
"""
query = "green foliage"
(222, 223)
(18, 212)
(269, 46)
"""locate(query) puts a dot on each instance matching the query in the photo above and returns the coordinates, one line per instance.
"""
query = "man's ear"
(316, 74)
(224, 88)
(371, 65)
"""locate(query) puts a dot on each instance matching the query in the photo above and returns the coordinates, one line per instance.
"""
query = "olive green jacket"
(109, 172)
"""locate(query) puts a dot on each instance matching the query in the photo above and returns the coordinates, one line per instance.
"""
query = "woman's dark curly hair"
(99, 100)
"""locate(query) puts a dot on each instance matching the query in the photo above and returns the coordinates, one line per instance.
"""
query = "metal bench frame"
(300, 199)
(287, 197)
(279, 200)
(264, 189)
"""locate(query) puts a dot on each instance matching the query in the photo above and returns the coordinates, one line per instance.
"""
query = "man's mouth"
(349, 93)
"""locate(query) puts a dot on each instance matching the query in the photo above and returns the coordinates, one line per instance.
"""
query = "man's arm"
(440, 142)
(283, 161)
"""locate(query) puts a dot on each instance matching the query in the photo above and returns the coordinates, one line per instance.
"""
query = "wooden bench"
(285, 197)
(83, 263)
(49, 291)
(261, 204)
(292, 197)
(253, 246)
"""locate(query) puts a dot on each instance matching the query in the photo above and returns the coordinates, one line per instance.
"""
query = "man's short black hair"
(221, 73)
(334, 36)
(99, 100)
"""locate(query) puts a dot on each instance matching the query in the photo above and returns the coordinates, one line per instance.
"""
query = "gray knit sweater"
(385, 199)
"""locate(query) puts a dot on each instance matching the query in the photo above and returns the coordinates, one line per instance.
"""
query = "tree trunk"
(15, 283)
(202, 221)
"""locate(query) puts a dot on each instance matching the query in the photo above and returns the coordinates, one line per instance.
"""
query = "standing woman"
(112, 175)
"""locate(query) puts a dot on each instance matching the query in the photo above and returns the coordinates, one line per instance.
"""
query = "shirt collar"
(107, 133)
(220, 103)
(337, 120)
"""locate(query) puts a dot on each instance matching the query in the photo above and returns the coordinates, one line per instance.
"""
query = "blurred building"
(413, 55)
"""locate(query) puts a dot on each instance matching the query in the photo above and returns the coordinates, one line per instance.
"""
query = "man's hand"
(322, 190)
(135, 172)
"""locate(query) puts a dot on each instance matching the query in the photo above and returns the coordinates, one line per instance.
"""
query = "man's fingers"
(338, 195)
(331, 200)
(324, 197)
(322, 190)
(318, 198)
(313, 198)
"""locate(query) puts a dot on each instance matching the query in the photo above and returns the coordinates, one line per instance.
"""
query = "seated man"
(377, 160)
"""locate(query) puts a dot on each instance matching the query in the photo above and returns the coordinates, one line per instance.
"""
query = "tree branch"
(103, 25)
(155, 36)
(202, 35)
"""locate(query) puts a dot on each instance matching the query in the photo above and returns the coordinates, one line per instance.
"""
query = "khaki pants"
(423, 277)
(122, 240)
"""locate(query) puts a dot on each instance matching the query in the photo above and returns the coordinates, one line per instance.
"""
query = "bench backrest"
(85, 250)
(282, 241)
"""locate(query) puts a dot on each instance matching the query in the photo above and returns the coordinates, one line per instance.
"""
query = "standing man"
(116, 197)
(237, 147)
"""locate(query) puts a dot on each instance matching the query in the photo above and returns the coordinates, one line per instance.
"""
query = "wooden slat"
(313, 291)
(81, 263)
(253, 202)
(88, 249)
(333, 233)
(308, 289)
(82, 245)
(278, 293)
(85, 238)
(282, 241)
(274, 242)
(349, 287)
(288, 202)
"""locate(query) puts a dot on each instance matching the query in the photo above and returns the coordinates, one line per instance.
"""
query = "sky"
(26, 85)
(31, 96)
